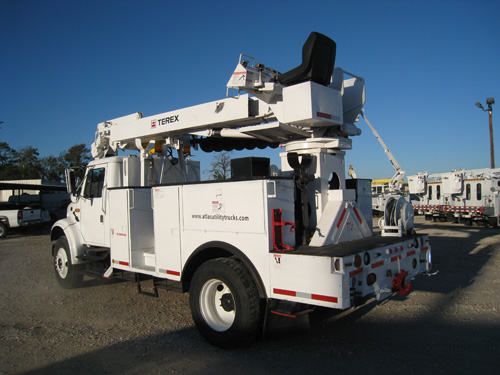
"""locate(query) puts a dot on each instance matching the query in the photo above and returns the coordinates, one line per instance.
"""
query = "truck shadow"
(378, 347)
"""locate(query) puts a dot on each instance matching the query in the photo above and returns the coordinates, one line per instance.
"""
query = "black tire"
(68, 275)
(3, 230)
(225, 303)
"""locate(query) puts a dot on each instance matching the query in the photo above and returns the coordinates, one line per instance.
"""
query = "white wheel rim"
(61, 263)
(217, 305)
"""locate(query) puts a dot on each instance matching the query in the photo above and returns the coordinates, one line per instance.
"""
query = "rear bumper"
(342, 281)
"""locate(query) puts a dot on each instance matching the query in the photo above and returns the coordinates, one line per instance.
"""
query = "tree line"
(26, 163)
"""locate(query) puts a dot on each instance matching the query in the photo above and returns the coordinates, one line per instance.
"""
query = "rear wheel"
(67, 274)
(3, 230)
(225, 303)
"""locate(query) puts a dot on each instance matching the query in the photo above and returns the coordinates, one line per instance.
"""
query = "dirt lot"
(449, 324)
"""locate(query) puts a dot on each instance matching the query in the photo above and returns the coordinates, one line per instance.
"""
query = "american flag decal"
(153, 123)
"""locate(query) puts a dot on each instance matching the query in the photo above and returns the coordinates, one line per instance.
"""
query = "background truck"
(54, 203)
(14, 215)
(254, 244)
(470, 196)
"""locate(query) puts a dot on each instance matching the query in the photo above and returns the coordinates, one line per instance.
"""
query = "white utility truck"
(460, 195)
(253, 244)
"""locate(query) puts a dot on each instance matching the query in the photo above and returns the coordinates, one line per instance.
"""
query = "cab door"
(93, 219)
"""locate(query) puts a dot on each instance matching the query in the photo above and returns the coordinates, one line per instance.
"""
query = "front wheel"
(225, 303)
(67, 274)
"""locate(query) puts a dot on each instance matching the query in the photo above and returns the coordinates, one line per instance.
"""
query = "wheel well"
(55, 234)
(5, 221)
(215, 250)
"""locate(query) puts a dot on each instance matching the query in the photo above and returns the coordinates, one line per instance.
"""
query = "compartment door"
(167, 230)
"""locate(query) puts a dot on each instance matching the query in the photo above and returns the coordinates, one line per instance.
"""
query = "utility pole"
(489, 102)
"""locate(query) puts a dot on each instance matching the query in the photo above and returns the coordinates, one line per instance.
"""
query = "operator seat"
(318, 59)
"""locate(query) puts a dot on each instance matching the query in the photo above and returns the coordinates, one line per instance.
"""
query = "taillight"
(336, 265)
(371, 279)
(357, 261)
(20, 215)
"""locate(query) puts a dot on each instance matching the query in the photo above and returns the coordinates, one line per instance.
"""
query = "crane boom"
(400, 174)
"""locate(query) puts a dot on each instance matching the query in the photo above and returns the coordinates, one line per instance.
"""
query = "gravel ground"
(450, 323)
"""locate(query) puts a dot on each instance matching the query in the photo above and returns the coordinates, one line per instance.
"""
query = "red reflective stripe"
(123, 263)
(410, 253)
(285, 292)
(324, 115)
(341, 218)
(237, 73)
(355, 272)
(425, 248)
(319, 297)
(394, 259)
(175, 273)
(377, 264)
(357, 215)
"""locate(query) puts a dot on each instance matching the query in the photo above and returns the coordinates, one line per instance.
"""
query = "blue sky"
(67, 65)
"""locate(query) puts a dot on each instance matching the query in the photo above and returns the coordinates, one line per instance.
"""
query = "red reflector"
(324, 115)
(123, 263)
(355, 272)
(357, 215)
(174, 273)
(341, 218)
(284, 292)
(377, 264)
(324, 298)
(396, 258)
(410, 253)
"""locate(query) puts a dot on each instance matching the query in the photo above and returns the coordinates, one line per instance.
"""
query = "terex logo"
(165, 120)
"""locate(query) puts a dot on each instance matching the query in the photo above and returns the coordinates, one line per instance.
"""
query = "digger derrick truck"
(468, 196)
(254, 244)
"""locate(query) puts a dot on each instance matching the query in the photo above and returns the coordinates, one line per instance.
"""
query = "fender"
(67, 227)
(219, 249)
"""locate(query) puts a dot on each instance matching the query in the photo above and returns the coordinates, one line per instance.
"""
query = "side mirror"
(71, 181)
